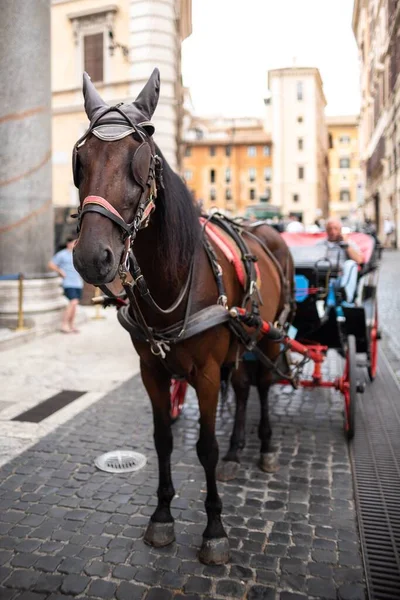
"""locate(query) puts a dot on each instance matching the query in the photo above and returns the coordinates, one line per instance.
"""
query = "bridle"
(150, 180)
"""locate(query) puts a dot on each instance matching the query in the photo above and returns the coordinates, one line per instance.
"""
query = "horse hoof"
(269, 462)
(226, 471)
(159, 534)
(214, 551)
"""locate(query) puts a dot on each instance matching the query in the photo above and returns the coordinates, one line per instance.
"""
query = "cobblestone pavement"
(67, 528)
(70, 531)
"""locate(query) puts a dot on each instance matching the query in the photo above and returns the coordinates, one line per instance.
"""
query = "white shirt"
(295, 227)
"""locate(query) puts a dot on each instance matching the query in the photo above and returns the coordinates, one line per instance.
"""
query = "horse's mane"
(177, 222)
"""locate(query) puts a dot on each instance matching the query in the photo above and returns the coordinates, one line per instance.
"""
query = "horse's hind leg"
(160, 530)
(229, 467)
(215, 547)
(268, 461)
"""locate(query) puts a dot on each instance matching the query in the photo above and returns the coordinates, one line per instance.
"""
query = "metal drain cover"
(120, 461)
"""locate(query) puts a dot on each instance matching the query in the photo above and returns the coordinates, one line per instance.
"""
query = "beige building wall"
(376, 26)
(145, 35)
(344, 181)
(300, 139)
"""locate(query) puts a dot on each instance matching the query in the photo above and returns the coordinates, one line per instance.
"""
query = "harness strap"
(201, 321)
(96, 206)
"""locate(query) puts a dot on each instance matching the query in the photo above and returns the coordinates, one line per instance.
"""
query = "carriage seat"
(312, 265)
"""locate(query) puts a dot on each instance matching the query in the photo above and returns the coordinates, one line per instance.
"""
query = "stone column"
(155, 42)
(26, 213)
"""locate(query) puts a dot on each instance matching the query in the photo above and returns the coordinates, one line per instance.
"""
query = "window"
(300, 143)
(251, 151)
(267, 195)
(93, 56)
(267, 173)
(344, 196)
(252, 174)
(228, 150)
(267, 150)
(212, 176)
(296, 197)
(228, 194)
(228, 175)
(188, 175)
(188, 151)
(299, 89)
(300, 172)
(213, 151)
(213, 195)
(344, 139)
(252, 194)
(344, 163)
(299, 119)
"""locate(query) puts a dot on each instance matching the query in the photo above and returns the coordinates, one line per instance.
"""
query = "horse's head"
(114, 167)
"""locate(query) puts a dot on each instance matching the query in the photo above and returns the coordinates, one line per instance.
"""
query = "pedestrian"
(62, 263)
(388, 230)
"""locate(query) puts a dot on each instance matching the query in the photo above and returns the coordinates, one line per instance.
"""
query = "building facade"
(119, 45)
(344, 167)
(376, 26)
(228, 163)
(296, 117)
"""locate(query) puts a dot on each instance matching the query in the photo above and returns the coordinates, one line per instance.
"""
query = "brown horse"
(117, 168)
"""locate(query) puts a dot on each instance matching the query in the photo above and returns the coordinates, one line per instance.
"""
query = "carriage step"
(360, 388)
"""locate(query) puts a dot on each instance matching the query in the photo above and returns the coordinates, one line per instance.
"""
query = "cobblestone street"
(68, 530)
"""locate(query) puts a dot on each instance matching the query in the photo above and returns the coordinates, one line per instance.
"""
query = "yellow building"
(228, 163)
(344, 166)
(119, 45)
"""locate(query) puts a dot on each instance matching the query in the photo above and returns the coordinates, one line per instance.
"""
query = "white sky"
(235, 42)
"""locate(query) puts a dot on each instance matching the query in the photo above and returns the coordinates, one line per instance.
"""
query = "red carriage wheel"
(373, 347)
(350, 387)
(177, 393)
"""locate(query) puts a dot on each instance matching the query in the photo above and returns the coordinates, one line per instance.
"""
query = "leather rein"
(128, 263)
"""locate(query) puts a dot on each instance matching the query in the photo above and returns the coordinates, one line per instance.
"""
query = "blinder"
(141, 164)
(146, 169)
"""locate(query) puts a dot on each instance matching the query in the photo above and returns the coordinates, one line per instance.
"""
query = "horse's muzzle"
(98, 268)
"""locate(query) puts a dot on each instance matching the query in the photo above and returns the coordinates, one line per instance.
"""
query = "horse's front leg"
(229, 468)
(160, 530)
(215, 547)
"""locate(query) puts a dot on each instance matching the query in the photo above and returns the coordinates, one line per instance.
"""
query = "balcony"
(374, 163)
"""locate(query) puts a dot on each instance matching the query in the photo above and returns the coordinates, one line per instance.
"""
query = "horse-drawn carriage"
(324, 321)
(200, 293)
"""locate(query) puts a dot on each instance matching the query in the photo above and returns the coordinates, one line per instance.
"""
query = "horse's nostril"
(107, 257)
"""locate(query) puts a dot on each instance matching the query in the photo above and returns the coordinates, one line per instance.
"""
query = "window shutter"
(94, 56)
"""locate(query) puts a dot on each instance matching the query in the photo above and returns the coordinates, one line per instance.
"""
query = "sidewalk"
(94, 361)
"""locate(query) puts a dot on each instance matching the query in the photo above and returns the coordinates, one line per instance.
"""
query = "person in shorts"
(62, 263)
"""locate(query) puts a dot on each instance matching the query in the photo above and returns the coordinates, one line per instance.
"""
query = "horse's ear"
(147, 100)
(93, 100)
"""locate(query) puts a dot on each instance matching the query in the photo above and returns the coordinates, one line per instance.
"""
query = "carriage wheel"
(373, 347)
(177, 393)
(350, 387)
